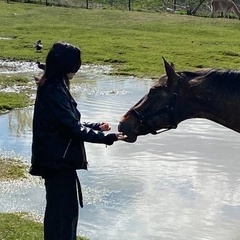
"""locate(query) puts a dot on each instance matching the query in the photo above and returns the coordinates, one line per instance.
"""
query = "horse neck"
(202, 101)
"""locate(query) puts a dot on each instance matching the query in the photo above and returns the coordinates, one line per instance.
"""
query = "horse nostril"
(122, 127)
(119, 126)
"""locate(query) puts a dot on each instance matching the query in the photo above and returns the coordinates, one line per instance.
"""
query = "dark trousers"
(61, 213)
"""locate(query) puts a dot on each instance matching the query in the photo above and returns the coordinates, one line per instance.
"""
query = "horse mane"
(215, 79)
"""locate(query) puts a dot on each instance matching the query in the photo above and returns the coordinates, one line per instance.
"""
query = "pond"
(182, 184)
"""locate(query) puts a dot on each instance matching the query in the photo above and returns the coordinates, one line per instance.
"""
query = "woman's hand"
(110, 138)
(105, 127)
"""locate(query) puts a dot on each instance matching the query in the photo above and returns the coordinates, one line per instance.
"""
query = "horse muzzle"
(127, 130)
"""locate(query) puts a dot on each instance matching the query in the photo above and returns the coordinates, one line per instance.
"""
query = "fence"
(127, 5)
(194, 7)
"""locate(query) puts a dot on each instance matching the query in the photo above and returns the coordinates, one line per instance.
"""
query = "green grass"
(18, 226)
(12, 100)
(9, 101)
(134, 42)
(6, 80)
(11, 169)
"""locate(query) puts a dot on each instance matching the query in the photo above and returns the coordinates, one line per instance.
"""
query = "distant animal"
(41, 66)
(38, 46)
(225, 6)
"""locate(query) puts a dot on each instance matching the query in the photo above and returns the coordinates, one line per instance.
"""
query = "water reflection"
(20, 121)
(182, 184)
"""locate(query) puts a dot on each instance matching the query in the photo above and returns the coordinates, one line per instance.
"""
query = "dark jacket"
(58, 135)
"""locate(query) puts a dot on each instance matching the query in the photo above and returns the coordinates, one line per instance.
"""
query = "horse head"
(156, 111)
(213, 94)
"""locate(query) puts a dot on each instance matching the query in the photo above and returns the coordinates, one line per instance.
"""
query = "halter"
(169, 109)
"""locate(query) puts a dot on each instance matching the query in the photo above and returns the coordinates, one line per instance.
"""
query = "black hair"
(63, 58)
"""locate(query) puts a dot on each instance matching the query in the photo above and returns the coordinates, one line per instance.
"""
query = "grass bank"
(11, 169)
(9, 99)
(19, 226)
(134, 42)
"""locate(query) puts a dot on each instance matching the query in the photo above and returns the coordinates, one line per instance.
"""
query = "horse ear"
(171, 74)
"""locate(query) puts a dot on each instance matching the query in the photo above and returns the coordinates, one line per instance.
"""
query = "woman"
(58, 141)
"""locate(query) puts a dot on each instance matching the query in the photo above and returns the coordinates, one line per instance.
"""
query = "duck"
(41, 66)
(38, 46)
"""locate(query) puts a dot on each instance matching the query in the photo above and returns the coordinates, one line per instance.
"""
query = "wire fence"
(129, 5)
(191, 7)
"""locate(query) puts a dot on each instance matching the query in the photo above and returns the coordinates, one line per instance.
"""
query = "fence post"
(86, 4)
(129, 5)
(174, 5)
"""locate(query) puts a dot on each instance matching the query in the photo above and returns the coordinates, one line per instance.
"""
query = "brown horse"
(211, 94)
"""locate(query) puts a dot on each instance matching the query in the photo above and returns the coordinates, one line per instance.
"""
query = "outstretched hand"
(120, 136)
(106, 127)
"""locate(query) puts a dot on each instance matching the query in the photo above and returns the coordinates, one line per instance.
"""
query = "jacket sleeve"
(94, 126)
(60, 108)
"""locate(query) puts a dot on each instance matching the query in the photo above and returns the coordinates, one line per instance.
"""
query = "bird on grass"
(38, 46)
(41, 66)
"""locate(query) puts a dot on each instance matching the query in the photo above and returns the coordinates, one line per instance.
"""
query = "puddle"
(13, 67)
(6, 38)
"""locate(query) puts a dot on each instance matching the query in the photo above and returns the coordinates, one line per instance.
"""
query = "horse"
(225, 6)
(213, 94)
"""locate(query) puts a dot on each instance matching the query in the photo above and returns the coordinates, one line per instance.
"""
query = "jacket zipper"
(66, 150)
